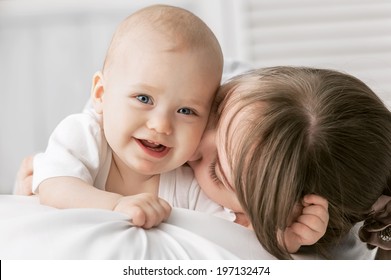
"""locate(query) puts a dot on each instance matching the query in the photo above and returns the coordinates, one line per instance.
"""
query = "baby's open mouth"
(152, 145)
(153, 149)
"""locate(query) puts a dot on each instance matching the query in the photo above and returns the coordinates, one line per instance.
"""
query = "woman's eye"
(212, 173)
(144, 99)
(186, 111)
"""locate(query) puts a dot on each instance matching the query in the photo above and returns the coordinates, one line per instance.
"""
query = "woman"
(287, 132)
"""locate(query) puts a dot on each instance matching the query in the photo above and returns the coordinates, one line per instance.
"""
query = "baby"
(151, 103)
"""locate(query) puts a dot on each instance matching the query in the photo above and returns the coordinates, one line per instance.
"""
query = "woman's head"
(285, 132)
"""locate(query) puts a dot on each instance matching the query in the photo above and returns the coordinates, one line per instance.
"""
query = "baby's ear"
(97, 92)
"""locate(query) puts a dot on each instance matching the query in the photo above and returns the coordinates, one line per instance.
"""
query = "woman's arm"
(24, 177)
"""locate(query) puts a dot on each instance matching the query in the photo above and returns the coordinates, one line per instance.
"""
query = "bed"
(29, 230)
(33, 231)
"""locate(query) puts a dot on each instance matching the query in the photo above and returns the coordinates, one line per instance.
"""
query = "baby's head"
(164, 28)
(155, 91)
(287, 132)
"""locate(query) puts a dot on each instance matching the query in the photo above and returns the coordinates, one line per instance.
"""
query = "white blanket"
(29, 230)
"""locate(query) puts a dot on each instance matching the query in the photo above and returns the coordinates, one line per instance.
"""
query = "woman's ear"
(97, 92)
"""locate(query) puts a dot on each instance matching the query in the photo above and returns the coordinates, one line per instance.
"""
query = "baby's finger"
(304, 235)
(138, 216)
(317, 211)
(156, 211)
(313, 223)
(315, 199)
(166, 208)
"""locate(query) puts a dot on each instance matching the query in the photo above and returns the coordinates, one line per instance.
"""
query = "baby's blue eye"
(144, 99)
(186, 111)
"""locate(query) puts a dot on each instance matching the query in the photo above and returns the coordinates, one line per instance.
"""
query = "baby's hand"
(146, 210)
(310, 225)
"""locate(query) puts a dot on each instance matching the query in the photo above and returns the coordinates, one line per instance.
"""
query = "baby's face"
(156, 104)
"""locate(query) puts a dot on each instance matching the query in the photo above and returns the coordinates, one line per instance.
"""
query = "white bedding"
(29, 230)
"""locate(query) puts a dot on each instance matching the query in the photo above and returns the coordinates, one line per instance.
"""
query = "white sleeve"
(73, 150)
(180, 189)
(199, 201)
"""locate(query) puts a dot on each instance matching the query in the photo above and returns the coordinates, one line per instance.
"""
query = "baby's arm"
(145, 210)
(310, 225)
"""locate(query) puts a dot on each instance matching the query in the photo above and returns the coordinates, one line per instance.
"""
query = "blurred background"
(49, 51)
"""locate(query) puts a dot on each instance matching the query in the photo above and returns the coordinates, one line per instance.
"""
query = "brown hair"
(181, 27)
(309, 131)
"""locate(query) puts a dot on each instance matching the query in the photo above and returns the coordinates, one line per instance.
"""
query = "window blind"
(348, 35)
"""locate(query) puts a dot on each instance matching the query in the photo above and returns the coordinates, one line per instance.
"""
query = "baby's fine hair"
(181, 27)
(308, 131)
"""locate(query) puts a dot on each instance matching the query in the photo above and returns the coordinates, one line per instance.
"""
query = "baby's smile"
(153, 148)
